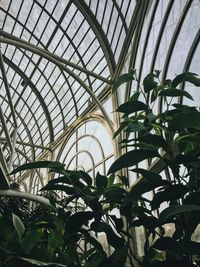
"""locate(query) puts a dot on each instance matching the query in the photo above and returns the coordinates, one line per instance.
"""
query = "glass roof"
(59, 57)
(47, 99)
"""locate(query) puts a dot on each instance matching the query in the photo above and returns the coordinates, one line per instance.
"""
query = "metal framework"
(58, 60)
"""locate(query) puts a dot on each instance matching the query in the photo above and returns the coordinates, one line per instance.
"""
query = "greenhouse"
(100, 133)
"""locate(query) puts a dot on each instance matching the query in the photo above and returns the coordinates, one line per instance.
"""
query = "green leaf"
(113, 239)
(4, 253)
(135, 126)
(185, 120)
(131, 107)
(25, 262)
(172, 211)
(140, 211)
(119, 256)
(95, 259)
(92, 240)
(78, 219)
(131, 158)
(149, 222)
(95, 205)
(124, 180)
(154, 95)
(189, 139)
(121, 128)
(157, 73)
(19, 226)
(88, 254)
(135, 96)
(114, 194)
(149, 83)
(148, 182)
(117, 259)
(193, 198)
(184, 159)
(172, 192)
(124, 78)
(148, 174)
(101, 182)
(118, 223)
(30, 239)
(186, 77)
(7, 229)
(62, 179)
(67, 189)
(185, 108)
(55, 239)
(71, 255)
(39, 164)
(111, 180)
(173, 92)
(180, 246)
(155, 140)
(86, 177)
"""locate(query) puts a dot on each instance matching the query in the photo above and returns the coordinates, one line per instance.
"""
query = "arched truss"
(92, 138)
(88, 146)
(60, 57)
(167, 39)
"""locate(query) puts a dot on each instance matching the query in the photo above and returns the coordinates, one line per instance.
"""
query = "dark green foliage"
(176, 132)
(170, 193)
(101, 183)
(131, 107)
(34, 235)
(185, 120)
(173, 92)
(171, 212)
(186, 77)
(127, 77)
(147, 182)
(131, 158)
(149, 82)
(40, 164)
(180, 246)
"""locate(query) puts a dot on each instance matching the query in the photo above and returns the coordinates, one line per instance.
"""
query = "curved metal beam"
(26, 128)
(23, 195)
(119, 10)
(69, 132)
(89, 155)
(5, 80)
(175, 37)
(4, 181)
(142, 7)
(37, 93)
(74, 143)
(147, 39)
(172, 44)
(101, 37)
(73, 97)
(58, 26)
(161, 32)
(16, 40)
(193, 48)
(81, 137)
(46, 55)
(47, 82)
(191, 53)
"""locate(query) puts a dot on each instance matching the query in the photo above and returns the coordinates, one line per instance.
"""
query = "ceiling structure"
(58, 60)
